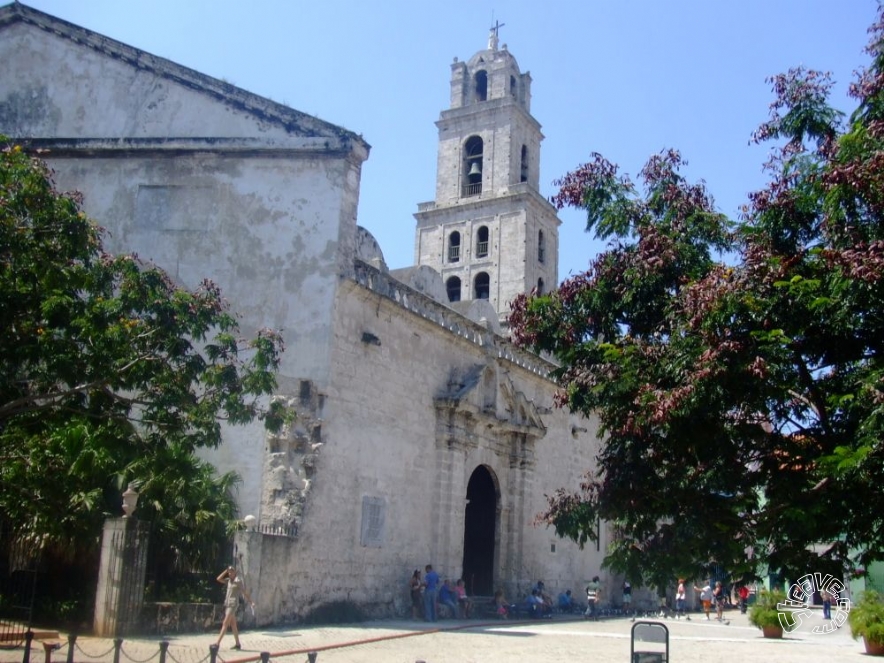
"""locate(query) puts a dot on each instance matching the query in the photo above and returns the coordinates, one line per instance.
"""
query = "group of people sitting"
(455, 600)
(539, 604)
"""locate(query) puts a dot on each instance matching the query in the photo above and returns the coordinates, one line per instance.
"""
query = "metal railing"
(162, 653)
(472, 189)
(290, 531)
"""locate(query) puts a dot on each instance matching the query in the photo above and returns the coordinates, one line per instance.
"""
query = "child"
(466, 605)
(501, 606)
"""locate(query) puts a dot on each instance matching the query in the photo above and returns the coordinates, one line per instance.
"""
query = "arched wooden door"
(480, 527)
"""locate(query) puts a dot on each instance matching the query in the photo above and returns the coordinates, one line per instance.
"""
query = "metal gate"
(20, 558)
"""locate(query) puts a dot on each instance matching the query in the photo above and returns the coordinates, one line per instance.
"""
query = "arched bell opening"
(473, 154)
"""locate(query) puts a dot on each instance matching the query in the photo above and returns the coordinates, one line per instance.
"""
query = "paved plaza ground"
(560, 640)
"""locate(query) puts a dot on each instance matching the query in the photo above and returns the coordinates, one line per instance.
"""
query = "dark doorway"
(479, 532)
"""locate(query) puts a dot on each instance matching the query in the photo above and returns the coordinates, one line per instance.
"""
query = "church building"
(423, 436)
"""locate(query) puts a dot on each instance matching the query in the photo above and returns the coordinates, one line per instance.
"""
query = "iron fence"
(20, 563)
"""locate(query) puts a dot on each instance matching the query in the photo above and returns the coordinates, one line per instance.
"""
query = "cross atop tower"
(494, 34)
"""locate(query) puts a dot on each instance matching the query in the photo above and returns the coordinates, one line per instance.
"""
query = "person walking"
(593, 594)
(705, 597)
(826, 596)
(236, 589)
(719, 597)
(743, 593)
(681, 601)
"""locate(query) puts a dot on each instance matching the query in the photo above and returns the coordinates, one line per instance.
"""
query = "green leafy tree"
(735, 368)
(109, 373)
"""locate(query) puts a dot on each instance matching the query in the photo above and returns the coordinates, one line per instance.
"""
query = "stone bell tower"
(489, 232)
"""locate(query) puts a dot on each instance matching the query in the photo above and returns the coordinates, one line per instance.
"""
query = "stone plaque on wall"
(374, 512)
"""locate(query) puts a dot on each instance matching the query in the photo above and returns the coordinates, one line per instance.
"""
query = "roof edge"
(266, 109)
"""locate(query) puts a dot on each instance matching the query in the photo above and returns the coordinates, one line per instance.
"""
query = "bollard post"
(265, 656)
(164, 646)
(213, 653)
(118, 644)
(29, 636)
(47, 651)
(311, 657)
(72, 640)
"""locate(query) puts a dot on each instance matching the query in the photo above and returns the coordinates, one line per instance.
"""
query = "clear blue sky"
(625, 78)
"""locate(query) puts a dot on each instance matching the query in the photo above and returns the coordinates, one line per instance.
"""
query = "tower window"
(452, 286)
(482, 242)
(524, 169)
(513, 86)
(454, 247)
(472, 184)
(539, 286)
(541, 246)
(482, 286)
(481, 85)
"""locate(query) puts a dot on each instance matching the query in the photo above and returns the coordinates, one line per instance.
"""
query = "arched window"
(481, 85)
(482, 242)
(541, 246)
(524, 177)
(513, 91)
(539, 286)
(482, 286)
(454, 247)
(472, 153)
(452, 286)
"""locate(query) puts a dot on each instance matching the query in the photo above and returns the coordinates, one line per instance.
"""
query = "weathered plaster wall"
(179, 171)
(267, 231)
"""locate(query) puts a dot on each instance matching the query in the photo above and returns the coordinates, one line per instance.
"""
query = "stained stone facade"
(422, 435)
